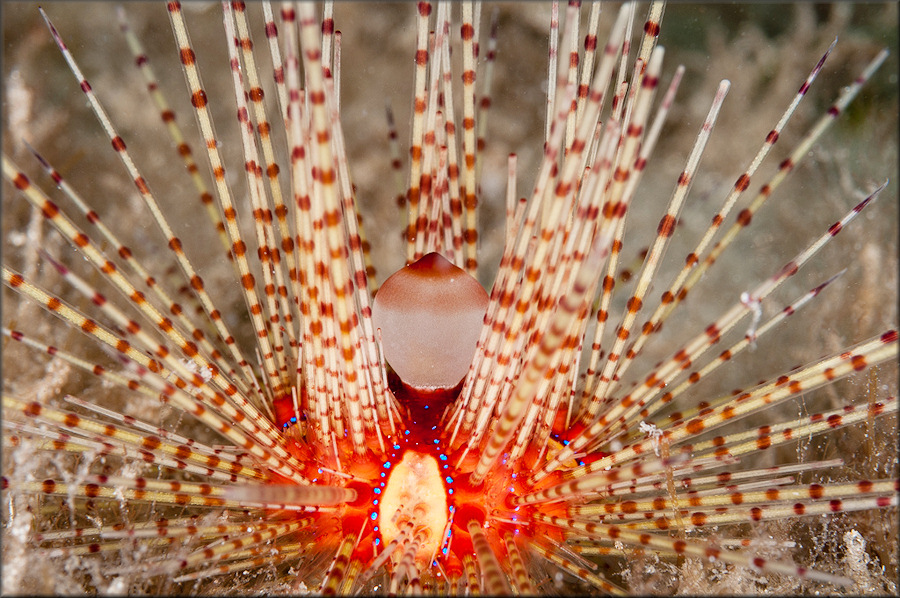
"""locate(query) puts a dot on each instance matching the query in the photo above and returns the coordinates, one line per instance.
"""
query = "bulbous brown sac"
(430, 314)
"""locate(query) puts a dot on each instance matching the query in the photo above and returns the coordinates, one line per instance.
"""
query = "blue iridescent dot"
(449, 480)
(375, 502)
(450, 491)
(387, 464)
(377, 540)
(436, 441)
(406, 432)
(374, 516)
(382, 474)
(442, 456)
(444, 550)
(377, 490)
(565, 443)
(396, 447)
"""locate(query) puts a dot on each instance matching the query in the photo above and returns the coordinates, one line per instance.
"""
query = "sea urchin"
(264, 417)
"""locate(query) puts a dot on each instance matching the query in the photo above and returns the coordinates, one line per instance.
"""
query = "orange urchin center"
(418, 492)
